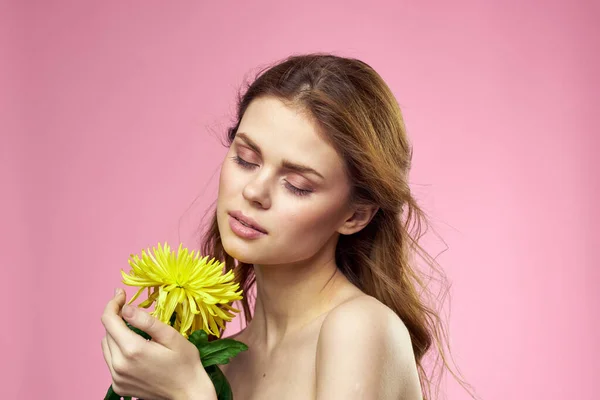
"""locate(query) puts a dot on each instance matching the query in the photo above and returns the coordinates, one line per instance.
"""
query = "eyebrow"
(286, 164)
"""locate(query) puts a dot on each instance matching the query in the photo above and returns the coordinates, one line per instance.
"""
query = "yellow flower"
(193, 287)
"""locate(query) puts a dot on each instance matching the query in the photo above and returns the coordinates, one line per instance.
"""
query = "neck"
(290, 296)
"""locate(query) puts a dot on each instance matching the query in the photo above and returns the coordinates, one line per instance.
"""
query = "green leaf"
(198, 337)
(219, 351)
(220, 382)
(111, 395)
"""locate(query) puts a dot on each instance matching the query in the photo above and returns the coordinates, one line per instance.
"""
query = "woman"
(315, 208)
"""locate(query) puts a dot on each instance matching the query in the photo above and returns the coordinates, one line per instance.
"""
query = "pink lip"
(244, 231)
(247, 220)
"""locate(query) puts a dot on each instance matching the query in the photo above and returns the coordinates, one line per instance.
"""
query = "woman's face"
(300, 210)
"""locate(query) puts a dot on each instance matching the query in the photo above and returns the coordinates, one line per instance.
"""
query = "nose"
(256, 191)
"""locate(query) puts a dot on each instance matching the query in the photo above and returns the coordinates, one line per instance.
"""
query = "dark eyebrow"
(286, 164)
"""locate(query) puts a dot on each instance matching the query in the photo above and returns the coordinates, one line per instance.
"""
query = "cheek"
(227, 179)
(310, 222)
(226, 187)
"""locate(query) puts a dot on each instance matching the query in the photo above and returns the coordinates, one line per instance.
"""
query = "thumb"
(160, 332)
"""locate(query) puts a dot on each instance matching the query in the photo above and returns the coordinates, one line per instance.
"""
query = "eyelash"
(246, 165)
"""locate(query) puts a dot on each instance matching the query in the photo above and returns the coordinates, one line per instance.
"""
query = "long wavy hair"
(361, 118)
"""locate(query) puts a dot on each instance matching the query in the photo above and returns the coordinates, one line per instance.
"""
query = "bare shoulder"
(366, 312)
(364, 351)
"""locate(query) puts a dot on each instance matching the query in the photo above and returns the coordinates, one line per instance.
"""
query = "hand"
(167, 367)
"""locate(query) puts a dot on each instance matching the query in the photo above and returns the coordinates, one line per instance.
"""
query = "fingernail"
(127, 311)
(117, 291)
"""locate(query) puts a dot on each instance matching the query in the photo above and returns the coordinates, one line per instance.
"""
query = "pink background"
(110, 114)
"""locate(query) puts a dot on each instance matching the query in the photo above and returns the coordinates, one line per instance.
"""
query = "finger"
(115, 304)
(109, 362)
(160, 332)
(113, 347)
(120, 297)
(107, 355)
(115, 326)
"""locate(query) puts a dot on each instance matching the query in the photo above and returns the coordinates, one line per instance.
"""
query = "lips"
(247, 220)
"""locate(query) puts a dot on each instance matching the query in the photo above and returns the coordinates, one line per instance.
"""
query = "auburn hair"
(361, 119)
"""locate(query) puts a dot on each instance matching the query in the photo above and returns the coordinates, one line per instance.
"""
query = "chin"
(240, 254)
(237, 248)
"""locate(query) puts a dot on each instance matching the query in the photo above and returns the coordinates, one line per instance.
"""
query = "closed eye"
(243, 163)
(246, 165)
